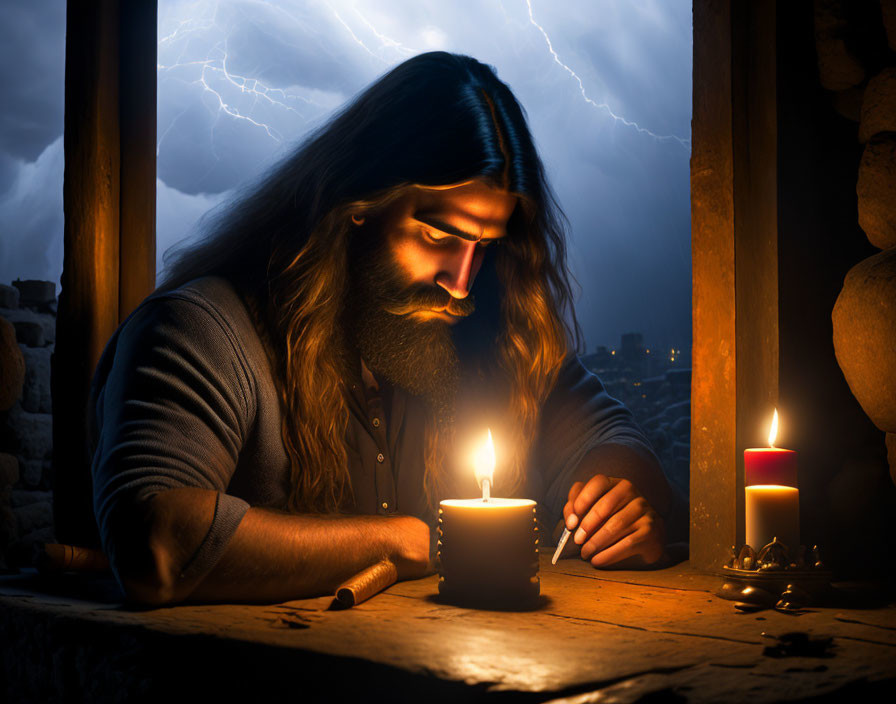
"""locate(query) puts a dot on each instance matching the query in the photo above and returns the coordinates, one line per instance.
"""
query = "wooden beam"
(109, 188)
(734, 250)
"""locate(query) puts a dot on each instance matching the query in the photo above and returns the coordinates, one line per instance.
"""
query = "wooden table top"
(596, 636)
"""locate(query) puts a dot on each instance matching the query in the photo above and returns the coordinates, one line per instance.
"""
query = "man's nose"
(456, 275)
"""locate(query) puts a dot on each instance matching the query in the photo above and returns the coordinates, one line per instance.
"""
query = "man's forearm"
(272, 556)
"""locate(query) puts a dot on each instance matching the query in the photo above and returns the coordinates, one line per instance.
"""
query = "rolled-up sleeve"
(173, 403)
(577, 416)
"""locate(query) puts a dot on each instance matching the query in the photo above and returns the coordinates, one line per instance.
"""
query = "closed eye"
(442, 238)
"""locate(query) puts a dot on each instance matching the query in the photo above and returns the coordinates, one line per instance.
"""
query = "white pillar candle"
(773, 512)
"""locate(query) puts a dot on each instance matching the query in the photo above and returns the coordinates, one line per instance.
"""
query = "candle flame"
(773, 433)
(484, 460)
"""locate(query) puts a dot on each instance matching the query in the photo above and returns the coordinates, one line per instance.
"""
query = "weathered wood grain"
(597, 636)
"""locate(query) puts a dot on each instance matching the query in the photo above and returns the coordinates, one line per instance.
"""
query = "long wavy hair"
(436, 119)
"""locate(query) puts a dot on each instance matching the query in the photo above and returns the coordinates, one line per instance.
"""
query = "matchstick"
(560, 545)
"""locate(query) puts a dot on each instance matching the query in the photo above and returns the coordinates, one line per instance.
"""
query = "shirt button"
(376, 422)
(380, 458)
(386, 505)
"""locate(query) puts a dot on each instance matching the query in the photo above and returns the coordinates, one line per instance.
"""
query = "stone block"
(32, 472)
(29, 333)
(35, 293)
(864, 321)
(46, 321)
(34, 516)
(838, 69)
(12, 366)
(9, 470)
(23, 497)
(36, 389)
(875, 189)
(888, 14)
(9, 296)
(879, 105)
(34, 433)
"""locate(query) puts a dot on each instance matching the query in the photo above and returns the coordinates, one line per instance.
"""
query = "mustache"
(422, 297)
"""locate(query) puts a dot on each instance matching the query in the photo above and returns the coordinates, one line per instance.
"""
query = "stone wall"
(27, 336)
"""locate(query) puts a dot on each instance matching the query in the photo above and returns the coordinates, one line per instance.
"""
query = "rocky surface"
(36, 389)
(879, 105)
(864, 321)
(875, 189)
(27, 335)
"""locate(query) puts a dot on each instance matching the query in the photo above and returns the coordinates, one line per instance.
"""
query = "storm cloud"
(607, 88)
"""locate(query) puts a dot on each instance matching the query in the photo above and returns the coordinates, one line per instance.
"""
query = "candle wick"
(485, 490)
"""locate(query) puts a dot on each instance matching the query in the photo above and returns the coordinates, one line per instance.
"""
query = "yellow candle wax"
(773, 512)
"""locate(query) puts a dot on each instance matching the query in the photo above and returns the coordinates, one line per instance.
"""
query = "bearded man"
(293, 401)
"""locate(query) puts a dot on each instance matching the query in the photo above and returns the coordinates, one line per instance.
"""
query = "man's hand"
(613, 523)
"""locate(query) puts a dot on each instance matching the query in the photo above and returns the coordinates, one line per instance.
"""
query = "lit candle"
(488, 547)
(772, 498)
(484, 465)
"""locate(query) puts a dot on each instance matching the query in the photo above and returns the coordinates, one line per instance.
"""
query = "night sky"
(607, 87)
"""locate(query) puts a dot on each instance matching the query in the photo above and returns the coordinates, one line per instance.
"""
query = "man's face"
(437, 239)
(407, 291)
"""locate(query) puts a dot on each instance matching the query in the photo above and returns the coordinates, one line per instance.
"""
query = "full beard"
(419, 356)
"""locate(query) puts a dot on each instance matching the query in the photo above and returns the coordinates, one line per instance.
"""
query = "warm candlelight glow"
(484, 465)
(773, 433)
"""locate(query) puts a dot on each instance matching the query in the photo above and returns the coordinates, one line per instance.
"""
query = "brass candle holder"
(774, 578)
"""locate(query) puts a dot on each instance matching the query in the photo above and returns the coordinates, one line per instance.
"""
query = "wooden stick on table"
(366, 583)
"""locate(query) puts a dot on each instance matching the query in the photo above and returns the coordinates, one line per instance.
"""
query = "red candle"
(770, 465)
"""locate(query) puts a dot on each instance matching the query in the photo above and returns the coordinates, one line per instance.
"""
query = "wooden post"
(109, 188)
(735, 269)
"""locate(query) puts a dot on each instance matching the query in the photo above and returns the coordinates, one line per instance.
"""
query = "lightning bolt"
(387, 42)
(684, 142)
(355, 36)
(214, 77)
